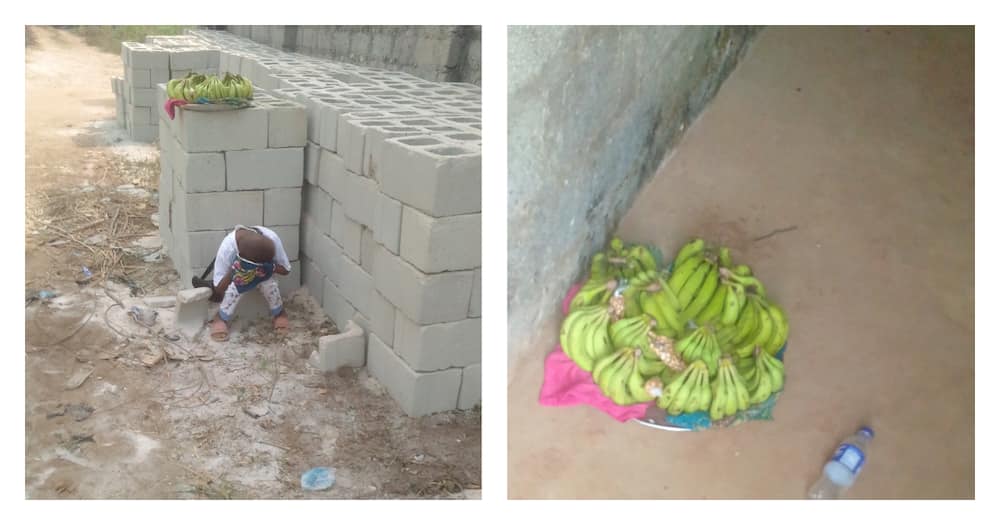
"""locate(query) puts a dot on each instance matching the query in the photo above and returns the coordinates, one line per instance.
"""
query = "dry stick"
(775, 232)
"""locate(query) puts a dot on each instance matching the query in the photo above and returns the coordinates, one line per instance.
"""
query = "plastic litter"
(319, 478)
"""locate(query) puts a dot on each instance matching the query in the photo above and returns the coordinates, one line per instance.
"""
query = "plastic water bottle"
(843, 468)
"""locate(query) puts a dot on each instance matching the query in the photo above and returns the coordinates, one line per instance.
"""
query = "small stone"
(193, 295)
(257, 411)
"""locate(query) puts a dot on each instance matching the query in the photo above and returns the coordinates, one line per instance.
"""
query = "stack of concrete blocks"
(147, 65)
(390, 208)
(220, 169)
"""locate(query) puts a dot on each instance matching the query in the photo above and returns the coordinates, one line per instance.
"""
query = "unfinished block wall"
(146, 65)
(219, 169)
(385, 198)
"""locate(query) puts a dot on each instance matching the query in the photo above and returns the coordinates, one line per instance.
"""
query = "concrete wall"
(592, 111)
(436, 53)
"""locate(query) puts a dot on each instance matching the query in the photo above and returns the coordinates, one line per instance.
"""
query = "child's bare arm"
(220, 290)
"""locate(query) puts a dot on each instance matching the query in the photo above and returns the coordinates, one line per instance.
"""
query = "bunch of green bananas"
(584, 335)
(701, 344)
(763, 374)
(706, 330)
(620, 376)
(729, 392)
(688, 392)
(196, 86)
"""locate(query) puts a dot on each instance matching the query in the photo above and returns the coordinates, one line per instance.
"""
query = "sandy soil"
(242, 419)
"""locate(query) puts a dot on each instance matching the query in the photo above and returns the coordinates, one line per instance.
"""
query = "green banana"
(713, 310)
(725, 258)
(720, 391)
(761, 385)
(743, 270)
(594, 291)
(641, 254)
(673, 388)
(690, 249)
(703, 295)
(765, 322)
(775, 369)
(731, 309)
(780, 333)
(682, 273)
(686, 294)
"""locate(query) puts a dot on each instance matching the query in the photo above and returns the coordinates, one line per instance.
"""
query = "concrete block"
(143, 116)
(328, 257)
(471, 392)
(437, 178)
(383, 317)
(291, 282)
(426, 299)
(289, 236)
(145, 97)
(346, 232)
(388, 222)
(438, 346)
(312, 279)
(318, 205)
(282, 206)
(351, 141)
(144, 133)
(198, 172)
(336, 305)
(139, 78)
(417, 393)
(441, 244)
(220, 211)
(362, 321)
(192, 311)
(332, 174)
(374, 140)
(367, 250)
(359, 199)
(158, 76)
(264, 169)
(141, 56)
(356, 285)
(200, 131)
(202, 246)
(193, 59)
(475, 302)
(344, 349)
(312, 162)
(286, 126)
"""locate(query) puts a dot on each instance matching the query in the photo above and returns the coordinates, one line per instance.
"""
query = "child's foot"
(219, 330)
(281, 323)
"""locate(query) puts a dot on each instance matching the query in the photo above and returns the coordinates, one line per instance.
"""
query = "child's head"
(256, 247)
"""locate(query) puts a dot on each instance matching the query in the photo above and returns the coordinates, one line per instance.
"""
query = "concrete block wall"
(219, 169)
(381, 171)
(148, 64)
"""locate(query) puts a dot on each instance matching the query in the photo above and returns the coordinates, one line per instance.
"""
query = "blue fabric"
(247, 275)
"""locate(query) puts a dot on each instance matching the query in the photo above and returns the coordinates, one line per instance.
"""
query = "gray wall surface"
(436, 53)
(592, 112)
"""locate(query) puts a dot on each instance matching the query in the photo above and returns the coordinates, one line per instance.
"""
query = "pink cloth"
(171, 104)
(566, 384)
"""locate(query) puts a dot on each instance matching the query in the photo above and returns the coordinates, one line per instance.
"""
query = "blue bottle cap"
(867, 431)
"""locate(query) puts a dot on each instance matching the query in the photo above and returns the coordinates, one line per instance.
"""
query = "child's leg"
(220, 328)
(272, 295)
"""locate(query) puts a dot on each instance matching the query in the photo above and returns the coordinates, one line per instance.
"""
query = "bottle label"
(851, 457)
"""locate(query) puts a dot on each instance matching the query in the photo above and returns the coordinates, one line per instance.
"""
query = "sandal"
(219, 330)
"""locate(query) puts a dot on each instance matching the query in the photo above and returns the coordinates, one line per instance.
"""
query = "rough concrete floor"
(863, 140)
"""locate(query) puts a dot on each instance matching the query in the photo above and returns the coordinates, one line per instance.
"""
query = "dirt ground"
(116, 409)
(858, 143)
